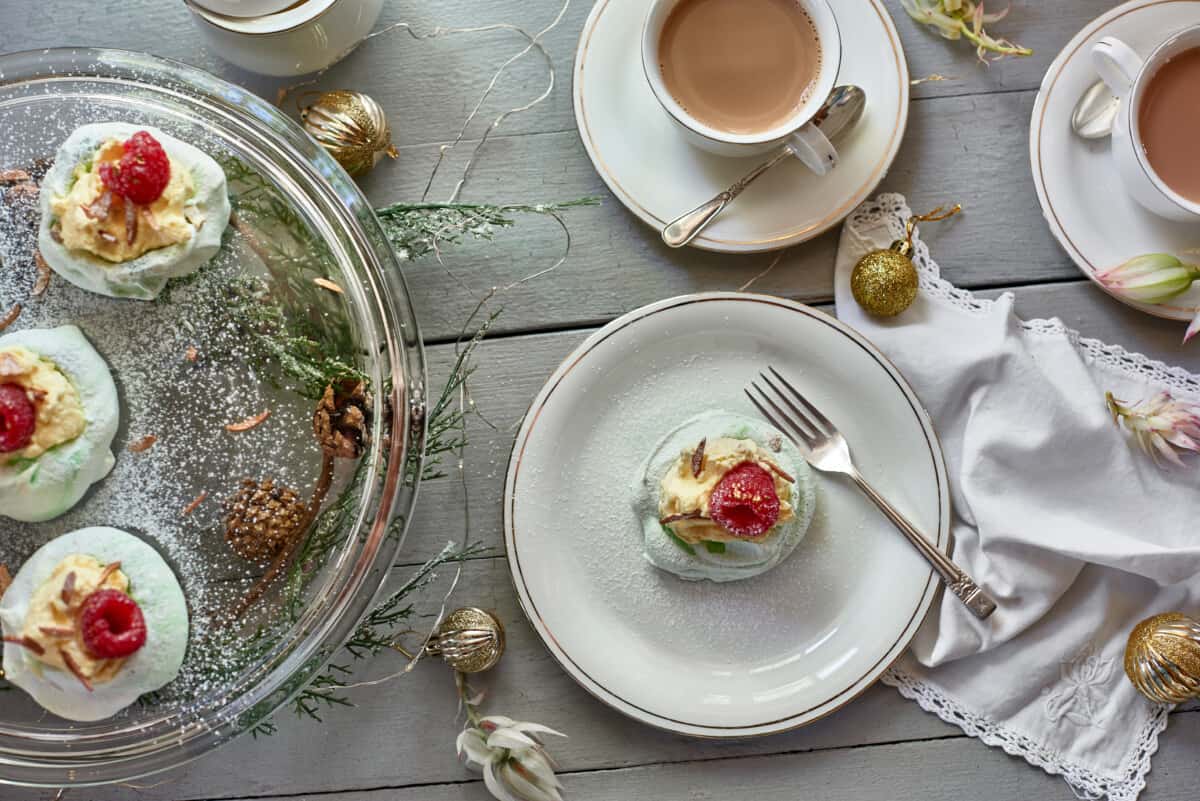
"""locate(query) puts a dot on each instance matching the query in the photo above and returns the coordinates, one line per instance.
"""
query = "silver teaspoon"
(1095, 112)
(840, 111)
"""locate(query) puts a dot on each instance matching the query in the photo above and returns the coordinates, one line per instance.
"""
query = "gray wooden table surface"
(966, 142)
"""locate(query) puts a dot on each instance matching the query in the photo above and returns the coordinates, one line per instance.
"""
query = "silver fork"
(827, 451)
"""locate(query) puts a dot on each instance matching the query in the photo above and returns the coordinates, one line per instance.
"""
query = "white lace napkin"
(1073, 530)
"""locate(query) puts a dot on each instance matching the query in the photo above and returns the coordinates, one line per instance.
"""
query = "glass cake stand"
(298, 216)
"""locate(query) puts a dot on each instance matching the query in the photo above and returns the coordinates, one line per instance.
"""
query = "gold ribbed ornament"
(884, 282)
(351, 126)
(1162, 658)
(469, 640)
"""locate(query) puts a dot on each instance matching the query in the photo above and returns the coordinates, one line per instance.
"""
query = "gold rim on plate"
(703, 730)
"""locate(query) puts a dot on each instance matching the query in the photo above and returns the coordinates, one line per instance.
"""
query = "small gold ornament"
(1162, 658)
(351, 126)
(884, 282)
(470, 640)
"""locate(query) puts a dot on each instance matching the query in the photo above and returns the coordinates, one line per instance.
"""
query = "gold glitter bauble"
(470, 640)
(1162, 658)
(884, 282)
(351, 126)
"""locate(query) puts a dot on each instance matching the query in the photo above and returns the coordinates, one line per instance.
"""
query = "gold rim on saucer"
(802, 233)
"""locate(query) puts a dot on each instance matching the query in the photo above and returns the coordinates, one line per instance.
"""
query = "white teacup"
(1127, 75)
(808, 143)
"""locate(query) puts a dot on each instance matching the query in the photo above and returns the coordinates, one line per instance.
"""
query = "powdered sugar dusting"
(184, 403)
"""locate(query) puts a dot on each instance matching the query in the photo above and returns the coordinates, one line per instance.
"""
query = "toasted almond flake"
(779, 471)
(109, 569)
(131, 222)
(148, 219)
(143, 444)
(195, 504)
(73, 666)
(43, 276)
(68, 589)
(698, 458)
(9, 365)
(15, 177)
(11, 317)
(99, 208)
(5, 579)
(28, 642)
(191, 354)
(56, 631)
(325, 283)
(29, 190)
(249, 422)
(685, 516)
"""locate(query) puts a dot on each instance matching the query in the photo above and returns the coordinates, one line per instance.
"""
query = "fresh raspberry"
(744, 502)
(17, 418)
(143, 171)
(112, 625)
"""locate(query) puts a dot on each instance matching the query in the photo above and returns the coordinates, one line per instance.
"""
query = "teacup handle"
(813, 148)
(1117, 64)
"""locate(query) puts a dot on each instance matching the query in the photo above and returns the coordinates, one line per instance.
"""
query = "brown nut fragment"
(11, 317)
(249, 422)
(143, 444)
(195, 504)
(43, 274)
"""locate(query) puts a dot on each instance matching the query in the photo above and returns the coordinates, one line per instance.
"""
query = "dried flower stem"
(964, 19)
(1161, 425)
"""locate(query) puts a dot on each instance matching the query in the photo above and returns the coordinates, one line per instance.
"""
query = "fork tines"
(808, 423)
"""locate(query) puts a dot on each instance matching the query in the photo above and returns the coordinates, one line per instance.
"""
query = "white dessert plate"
(744, 658)
(649, 166)
(1089, 212)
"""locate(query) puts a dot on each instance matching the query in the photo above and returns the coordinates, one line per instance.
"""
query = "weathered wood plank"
(967, 149)
(932, 770)
(403, 732)
(369, 743)
(439, 80)
(970, 150)
(512, 370)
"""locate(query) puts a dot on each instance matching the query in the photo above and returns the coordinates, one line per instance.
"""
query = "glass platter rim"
(54, 758)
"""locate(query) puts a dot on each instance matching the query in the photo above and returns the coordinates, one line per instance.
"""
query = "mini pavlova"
(125, 208)
(723, 497)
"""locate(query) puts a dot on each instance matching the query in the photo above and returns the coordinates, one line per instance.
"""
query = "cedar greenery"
(298, 335)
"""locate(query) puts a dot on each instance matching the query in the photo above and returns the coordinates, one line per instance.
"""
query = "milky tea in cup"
(1168, 122)
(1154, 135)
(740, 66)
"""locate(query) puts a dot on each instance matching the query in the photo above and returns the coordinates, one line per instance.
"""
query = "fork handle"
(962, 585)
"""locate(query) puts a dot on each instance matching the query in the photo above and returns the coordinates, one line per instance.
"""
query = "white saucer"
(658, 176)
(745, 658)
(1088, 211)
